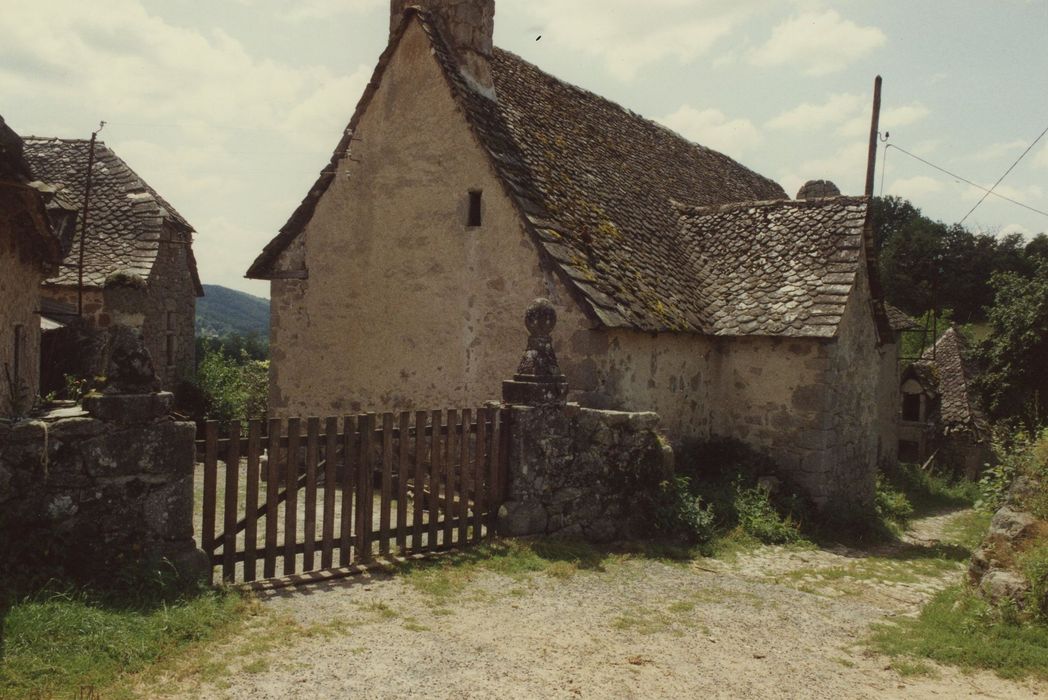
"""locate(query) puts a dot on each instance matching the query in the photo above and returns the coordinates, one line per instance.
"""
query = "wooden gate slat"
(349, 480)
(402, 483)
(420, 481)
(291, 488)
(254, 436)
(310, 522)
(434, 481)
(269, 565)
(365, 490)
(499, 458)
(330, 462)
(450, 470)
(387, 483)
(229, 508)
(207, 527)
(465, 477)
(480, 471)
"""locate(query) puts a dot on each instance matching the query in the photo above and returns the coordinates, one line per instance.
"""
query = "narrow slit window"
(18, 359)
(169, 349)
(474, 208)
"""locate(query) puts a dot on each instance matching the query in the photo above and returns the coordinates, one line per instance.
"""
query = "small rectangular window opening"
(911, 407)
(474, 208)
(170, 350)
(171, 320)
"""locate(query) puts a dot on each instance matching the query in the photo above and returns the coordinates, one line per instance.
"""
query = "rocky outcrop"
(994, 567)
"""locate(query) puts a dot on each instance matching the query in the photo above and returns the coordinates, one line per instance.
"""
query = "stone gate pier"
(572, 470)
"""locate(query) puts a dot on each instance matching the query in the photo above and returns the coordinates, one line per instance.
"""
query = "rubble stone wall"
(92, 495)
(20, 277)
(581, 472)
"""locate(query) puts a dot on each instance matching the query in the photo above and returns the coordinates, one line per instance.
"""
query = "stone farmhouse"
(469, 182)
(942, 418)
(29, 252)
(130, 229)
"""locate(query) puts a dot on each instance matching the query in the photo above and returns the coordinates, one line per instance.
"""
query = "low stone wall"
(581, 472)
(92, 491)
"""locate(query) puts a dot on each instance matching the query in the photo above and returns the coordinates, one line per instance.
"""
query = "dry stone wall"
(93, 491)
(582, 472)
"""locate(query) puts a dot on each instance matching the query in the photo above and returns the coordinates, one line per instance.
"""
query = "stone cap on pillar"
(538, 381)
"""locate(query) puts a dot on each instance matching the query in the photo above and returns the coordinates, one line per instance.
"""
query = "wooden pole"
(871, 163)
(83, 222)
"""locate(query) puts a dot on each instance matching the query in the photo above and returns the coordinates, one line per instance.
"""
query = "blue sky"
(230, 107)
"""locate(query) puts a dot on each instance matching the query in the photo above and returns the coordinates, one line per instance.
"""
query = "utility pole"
(871, 163)
(83, 222)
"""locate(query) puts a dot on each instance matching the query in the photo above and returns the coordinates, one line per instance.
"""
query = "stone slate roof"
(949, 362)
(600, 188)
(126, 217)
(781, 268)
(899, 320)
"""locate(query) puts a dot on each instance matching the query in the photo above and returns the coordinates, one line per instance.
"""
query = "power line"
(965, 180)
(999, 180)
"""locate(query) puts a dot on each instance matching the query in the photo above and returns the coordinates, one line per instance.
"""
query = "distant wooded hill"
(223, 311)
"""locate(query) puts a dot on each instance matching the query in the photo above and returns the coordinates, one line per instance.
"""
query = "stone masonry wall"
(581, 472)
(20, 277)
(93, 492)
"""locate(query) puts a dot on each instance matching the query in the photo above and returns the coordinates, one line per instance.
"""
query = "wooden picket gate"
(435, 479)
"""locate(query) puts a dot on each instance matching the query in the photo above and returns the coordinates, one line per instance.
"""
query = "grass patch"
(446, 577)
(961, 629)
(967, 529)
(928, 491)
(61, 638)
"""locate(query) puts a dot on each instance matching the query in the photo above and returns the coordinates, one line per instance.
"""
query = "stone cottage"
(130, 229)
(940, 415)
(29, 252)
(469, 182)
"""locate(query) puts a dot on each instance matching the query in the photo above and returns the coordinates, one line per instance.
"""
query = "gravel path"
(775, 623)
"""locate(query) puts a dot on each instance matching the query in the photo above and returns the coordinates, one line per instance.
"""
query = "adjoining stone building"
(29, 252)
(940, 416)
(469, 182)
(131, 229)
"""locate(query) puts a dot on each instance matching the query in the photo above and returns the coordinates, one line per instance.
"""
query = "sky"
(230, 108)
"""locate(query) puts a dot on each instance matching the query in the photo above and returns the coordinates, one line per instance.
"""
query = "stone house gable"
(131, 228)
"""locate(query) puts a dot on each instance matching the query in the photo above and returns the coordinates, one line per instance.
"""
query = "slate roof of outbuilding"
(126, 216)
(949, 362)
(900, 320)
(600, 188)
(775, 268)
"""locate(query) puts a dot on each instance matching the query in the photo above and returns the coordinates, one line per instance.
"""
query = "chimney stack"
(466, 25)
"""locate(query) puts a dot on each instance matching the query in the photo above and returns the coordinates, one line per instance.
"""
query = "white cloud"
(1040, 157)
(834, 111)
(712, 128)
(914, 188)
(1015, 228)
(998, 150)
(817, 43)
(892, 119)
(302, 10)
(629, 36)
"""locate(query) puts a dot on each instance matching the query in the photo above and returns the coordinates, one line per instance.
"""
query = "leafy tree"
(233, 389)
(1015, 356)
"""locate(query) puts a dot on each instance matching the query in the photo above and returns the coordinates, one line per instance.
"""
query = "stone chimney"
(467, 26)
(817, 189)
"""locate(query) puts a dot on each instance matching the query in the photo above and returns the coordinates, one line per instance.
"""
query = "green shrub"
(1017, 455)
(1034, 564)
(681, 514)
(760, 519)
(892, 506)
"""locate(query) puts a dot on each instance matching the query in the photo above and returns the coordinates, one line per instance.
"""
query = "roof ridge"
(708, 209)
